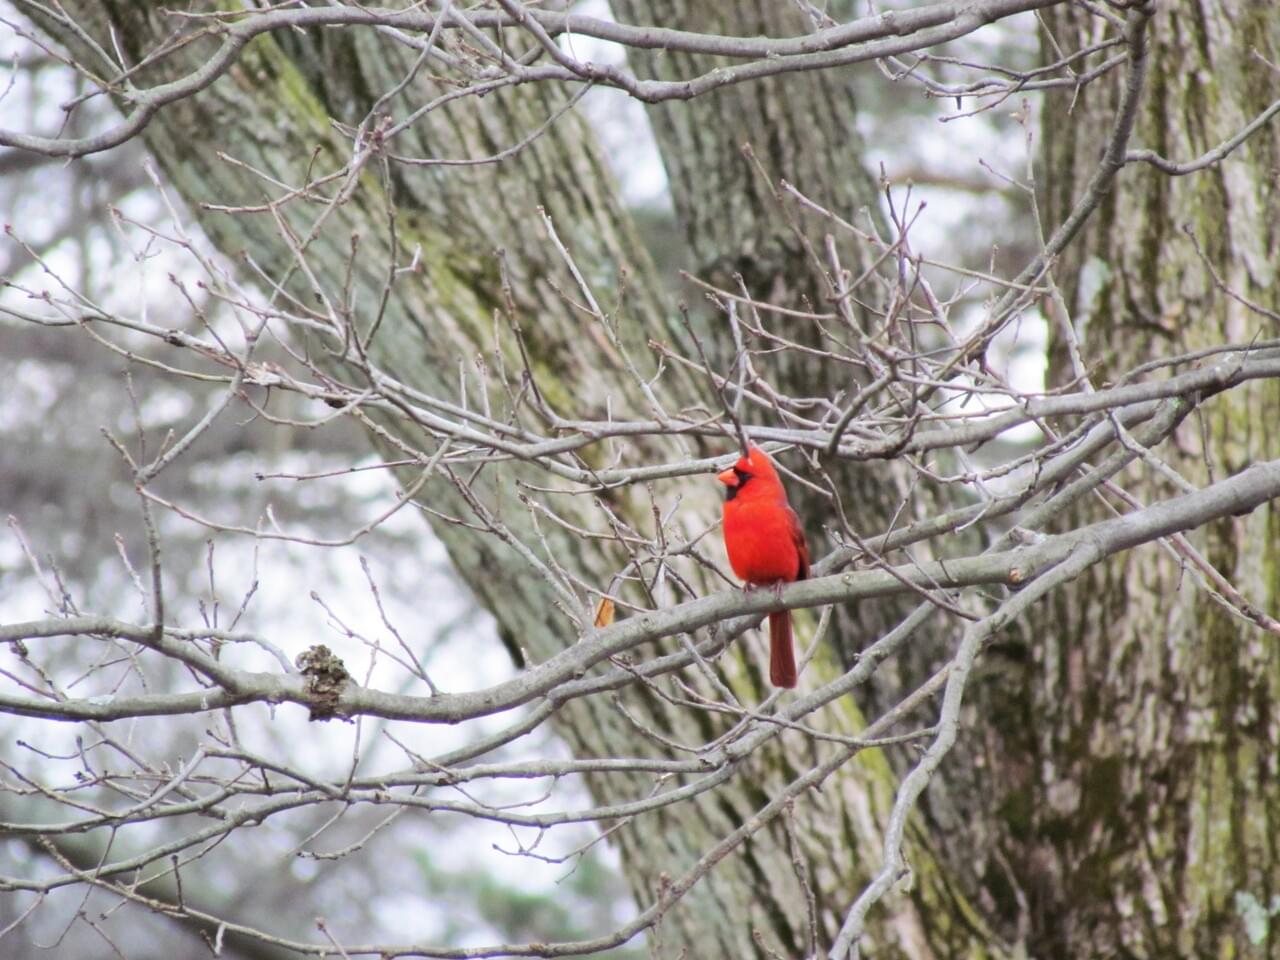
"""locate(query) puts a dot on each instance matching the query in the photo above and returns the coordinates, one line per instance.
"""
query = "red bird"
(766, 546)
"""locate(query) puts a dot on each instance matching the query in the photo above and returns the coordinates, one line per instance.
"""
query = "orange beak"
(728, 478)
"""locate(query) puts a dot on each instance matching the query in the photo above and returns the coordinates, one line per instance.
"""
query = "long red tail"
(782, 654)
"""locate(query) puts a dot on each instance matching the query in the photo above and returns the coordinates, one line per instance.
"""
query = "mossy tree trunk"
(1138, 752)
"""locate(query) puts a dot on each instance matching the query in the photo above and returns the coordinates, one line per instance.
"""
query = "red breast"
(762, 534)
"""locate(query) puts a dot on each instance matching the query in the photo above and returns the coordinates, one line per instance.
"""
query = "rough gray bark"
(801, 129)
(1136, 725)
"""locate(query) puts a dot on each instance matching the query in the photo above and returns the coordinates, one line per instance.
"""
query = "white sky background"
(471, 658)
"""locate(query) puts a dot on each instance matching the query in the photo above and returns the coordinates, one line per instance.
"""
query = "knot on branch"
(326, 676)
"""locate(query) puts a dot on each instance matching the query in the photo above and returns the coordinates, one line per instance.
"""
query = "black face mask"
(743, 477)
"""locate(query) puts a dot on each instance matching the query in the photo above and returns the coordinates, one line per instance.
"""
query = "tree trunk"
(802, 129)
(1139, 792)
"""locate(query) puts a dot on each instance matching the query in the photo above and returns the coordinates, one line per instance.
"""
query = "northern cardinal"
(766, 546)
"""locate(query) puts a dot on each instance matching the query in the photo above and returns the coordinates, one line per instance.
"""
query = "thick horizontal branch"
(1235, 495)
(890, 33)
(1010, 567)
(500, 440)
(1206, 381)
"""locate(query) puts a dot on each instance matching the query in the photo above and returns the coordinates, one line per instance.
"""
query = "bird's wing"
(802, 548)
